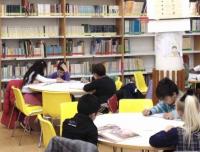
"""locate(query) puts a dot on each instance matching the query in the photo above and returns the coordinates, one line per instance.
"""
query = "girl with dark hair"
(35, 74)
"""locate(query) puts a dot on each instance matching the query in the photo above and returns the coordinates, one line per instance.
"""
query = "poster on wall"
(167, 9)
(168, 51)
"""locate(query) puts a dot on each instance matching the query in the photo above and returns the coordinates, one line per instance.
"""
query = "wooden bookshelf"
(141, 43)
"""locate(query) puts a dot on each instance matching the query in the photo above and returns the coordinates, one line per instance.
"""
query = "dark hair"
(59, 67)
(189, 92)
(99, 69)
(88, 104)
(166, 87)
(37, 68)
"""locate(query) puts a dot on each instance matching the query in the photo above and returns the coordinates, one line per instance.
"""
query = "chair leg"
(40, 140)
(12, 135)
(24, 131)
(11, 116)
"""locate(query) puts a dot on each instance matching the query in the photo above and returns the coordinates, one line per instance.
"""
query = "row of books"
(16, 31)
(27, 48)
(75, 47)
(31, 9)
(13, 71)
(133, 64)
(195, 25)
(92, 10)
(113, 66)
(97, 46)
(135, 26)
(80, 68)
(105, 46)
(134, 8)
(88, 30)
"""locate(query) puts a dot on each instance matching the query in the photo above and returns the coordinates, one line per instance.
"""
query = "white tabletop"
(136, 122)
(75, 87)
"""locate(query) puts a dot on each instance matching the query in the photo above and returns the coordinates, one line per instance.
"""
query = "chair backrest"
(51, 102)
(134, 105)
(177, 76)
(48, 131)
(118, 83)
(19, 99)
(140, 81)
(67, 110)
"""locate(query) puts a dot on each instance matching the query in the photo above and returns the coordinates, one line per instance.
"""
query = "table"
(136, 122)
(74, 87)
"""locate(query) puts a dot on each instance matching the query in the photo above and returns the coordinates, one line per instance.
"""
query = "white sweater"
(25, 88)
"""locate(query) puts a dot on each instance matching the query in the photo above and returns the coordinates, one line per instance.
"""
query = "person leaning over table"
(62, 72)
(187, 137)
(167, 93)
(103, 87)
(35, 74)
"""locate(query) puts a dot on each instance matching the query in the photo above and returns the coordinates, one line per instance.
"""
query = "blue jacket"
(162, 107)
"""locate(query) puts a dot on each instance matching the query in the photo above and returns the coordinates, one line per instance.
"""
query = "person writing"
(62, 72)
(102, 86)
(186, 138)
(167, 92)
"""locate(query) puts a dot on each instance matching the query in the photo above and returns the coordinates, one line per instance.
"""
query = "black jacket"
(104, 88)
(80, 127)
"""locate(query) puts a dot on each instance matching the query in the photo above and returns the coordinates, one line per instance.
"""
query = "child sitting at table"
(35, 74)
(61, 72)
(81, 126)
(167, 92)
(186, 138)
(103, 87)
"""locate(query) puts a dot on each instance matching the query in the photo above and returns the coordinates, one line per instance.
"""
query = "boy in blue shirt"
(61, 72)
(167, 93)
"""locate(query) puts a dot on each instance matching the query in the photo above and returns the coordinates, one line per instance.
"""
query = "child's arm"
(159, 108)
(90, 87)
(164, 138)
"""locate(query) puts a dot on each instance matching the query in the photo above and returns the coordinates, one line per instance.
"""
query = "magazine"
(115, 133)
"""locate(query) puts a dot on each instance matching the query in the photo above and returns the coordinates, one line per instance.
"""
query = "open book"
(115, 133)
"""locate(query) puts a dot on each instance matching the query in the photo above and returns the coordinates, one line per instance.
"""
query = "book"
(115, 133)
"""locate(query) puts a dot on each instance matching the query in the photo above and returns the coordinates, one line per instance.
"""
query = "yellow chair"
(118, 83)
(51, 102)
(134, 105)
(140, 82)
(47, 130)
(24, 108)
(68, 110)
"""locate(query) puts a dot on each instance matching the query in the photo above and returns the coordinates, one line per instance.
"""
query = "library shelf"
(17, 38)
(91, 36)
(149, 53)
(90, 17)
(31, 17)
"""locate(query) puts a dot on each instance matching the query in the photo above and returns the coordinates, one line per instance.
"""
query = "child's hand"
(168, 115)
(59, 80)
(83, 80)
(168, 128)
(146, 112)
(64, 67)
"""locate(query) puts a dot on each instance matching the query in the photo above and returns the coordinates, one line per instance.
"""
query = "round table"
(74, 87)
(136, 122)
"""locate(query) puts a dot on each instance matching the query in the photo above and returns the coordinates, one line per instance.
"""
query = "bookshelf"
(83, 32)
